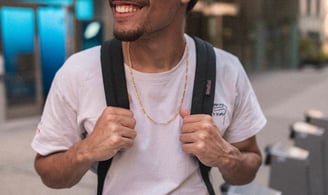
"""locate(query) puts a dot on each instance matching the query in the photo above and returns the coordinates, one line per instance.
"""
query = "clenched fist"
(114, 131)
(201, 138)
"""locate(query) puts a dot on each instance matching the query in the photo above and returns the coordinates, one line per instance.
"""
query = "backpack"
(116, 91)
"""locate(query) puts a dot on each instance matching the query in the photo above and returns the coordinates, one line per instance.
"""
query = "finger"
(127, 143)
(130, 98)
(187, 138)
(128, 133)
(184, 113)
(118, 111)
(190, 127)
(194, 118)
(127, 121)
(189, 148)
(120, 116)
(196, 136)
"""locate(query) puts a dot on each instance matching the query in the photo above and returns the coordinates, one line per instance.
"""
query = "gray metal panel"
(313, 141)
(251, 189)
(289, 170)
(322, 122)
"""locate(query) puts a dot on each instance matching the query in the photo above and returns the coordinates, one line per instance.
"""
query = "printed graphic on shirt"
(220, 110)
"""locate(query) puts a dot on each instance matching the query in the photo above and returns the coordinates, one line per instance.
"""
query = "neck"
(156, 55)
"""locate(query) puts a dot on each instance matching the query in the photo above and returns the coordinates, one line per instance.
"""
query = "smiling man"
(156, 146)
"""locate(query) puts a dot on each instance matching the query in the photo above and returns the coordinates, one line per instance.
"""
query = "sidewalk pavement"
(284, 97)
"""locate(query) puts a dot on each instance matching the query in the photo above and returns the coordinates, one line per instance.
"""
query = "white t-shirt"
(156, 163)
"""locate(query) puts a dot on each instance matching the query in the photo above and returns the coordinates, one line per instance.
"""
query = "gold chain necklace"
(139, 97)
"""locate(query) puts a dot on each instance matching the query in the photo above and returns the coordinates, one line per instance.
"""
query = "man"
(156, 142)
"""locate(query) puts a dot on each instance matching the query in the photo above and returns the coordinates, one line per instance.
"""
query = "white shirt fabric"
(156, 163)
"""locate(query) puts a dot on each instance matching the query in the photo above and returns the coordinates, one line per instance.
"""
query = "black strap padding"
(113, 73)
(203, 92)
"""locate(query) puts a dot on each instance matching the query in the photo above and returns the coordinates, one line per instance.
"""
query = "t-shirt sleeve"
(247, 118)
(58, 129)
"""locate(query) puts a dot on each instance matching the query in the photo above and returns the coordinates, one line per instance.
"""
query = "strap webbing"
(116, 91)
(204, 91)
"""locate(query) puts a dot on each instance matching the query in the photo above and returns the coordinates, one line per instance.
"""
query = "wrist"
(230, 160)
(82, 154)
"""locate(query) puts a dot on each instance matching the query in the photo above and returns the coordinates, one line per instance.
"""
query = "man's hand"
(238, 162)
(114, 131)
(201, 137)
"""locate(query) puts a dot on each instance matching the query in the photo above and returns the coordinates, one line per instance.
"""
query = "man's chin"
(127, 36)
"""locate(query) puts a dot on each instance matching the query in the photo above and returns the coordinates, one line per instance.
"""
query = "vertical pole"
(2, 75)
(294, 46)
(37, 60)
(2, 90)
(71, 29)
(260, 46)
(74, 28)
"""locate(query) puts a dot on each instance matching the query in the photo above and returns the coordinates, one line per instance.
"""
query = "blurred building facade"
(265, 34)
(36, 36)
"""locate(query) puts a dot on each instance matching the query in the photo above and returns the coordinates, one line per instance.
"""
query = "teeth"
(125, 9)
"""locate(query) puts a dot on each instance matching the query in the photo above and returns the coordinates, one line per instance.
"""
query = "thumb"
(130, 98)
(184, 113)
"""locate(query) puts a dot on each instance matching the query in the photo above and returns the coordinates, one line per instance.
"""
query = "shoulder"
(229, 68)
(227, 61)
(76, 71)
(81, 65)
(83, 61)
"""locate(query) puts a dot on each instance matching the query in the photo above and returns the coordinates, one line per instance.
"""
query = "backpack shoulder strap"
(204, 91)
(205, 77)
(113, 73)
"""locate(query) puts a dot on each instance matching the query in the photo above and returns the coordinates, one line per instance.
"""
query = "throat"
(156, 62)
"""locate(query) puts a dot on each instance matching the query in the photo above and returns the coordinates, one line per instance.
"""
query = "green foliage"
(309, 50)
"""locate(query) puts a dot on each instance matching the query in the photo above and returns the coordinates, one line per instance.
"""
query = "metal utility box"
(289, 169)
(311, 138)
(318, 118)
(249, 189)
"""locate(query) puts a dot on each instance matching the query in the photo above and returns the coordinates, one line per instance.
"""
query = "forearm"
(63, 169)
(240, 168)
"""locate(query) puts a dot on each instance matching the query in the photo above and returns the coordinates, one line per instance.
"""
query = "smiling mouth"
(125, 7)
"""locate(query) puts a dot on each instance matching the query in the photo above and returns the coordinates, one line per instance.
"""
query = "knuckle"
(111, 117)
(114, 127)
(115, 140)
(203, 136)
(206, 126)
(200, 146)
(207, 117)
(108, 110)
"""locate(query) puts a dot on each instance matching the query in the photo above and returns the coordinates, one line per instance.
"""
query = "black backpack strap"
(115, 91)
(204, 91)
